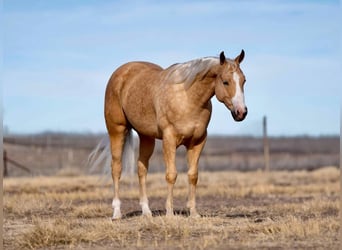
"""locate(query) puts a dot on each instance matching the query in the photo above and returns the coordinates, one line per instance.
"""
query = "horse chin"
(237, 118)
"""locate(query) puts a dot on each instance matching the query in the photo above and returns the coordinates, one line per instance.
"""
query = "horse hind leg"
(145, 151)
(117, 140)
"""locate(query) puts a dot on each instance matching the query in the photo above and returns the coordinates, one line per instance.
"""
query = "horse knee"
(193, 178)
(171, 177)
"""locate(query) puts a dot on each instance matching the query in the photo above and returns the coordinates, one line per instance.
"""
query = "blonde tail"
(101, 156)
(128, 154)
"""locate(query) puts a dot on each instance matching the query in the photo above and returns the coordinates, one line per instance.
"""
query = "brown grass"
(283, 210)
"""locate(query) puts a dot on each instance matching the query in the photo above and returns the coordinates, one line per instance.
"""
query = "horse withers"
(174, 105)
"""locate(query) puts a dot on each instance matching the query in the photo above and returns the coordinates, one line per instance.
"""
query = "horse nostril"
(246, 110)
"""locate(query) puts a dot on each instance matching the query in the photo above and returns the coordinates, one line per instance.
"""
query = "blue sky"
(58, 56)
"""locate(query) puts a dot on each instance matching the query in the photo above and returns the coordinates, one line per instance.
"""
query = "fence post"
(266, 146)
(5, 163)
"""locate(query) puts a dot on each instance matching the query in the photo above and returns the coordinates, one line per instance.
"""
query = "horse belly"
(143, 123)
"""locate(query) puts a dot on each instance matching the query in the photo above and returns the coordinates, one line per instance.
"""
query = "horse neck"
(203, 87)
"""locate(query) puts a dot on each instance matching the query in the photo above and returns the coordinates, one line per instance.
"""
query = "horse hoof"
(195, 215)
(170, 214)
(116, 218)
(146, 210)
(147, 213)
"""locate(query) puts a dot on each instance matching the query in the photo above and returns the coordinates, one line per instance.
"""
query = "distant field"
(48, 154)
(279, 210)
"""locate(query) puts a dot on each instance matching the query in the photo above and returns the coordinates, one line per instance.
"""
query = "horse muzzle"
(239, 114)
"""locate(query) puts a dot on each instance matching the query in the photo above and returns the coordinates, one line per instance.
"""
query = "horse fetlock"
(169, 212)
(116, 206)
(194, 213)
(145, 207)
(191, 204)
(117, 214)
(169, 206)
(146, 211)
(116, 203)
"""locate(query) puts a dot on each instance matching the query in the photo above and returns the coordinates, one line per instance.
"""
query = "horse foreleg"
(169, 150)
(193, 154)
(145, 152)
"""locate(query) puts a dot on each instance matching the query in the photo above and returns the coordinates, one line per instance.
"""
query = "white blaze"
(238, 99)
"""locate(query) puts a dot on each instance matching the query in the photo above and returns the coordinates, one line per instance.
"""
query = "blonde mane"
(185, 73)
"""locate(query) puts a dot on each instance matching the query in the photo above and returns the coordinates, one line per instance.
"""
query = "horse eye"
(225, 83)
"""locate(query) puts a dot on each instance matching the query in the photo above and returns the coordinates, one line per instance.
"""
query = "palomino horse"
(173, 105)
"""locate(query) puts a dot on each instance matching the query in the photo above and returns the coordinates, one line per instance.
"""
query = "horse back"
(131, 71)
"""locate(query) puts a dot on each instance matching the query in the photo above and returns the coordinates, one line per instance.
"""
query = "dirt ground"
(278, 210)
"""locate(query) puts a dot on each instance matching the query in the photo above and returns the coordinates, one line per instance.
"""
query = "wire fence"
(51, 153)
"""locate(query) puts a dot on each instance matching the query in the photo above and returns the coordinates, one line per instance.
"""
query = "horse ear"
(222, 58)
(240, 57)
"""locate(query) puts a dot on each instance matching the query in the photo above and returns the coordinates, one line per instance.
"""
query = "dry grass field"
(279, 210)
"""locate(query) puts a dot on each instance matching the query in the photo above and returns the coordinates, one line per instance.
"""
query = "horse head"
(229, 86)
